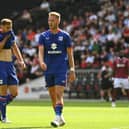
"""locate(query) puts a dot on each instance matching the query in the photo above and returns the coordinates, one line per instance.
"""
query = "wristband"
(72, 69)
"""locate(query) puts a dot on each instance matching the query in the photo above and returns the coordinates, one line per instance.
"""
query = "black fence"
(86, 85)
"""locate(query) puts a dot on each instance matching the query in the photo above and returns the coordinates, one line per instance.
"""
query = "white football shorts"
(121, 83)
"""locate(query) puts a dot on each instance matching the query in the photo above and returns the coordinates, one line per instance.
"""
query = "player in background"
(55, 53)
(8, 78)
(105, 76)
(120, 76)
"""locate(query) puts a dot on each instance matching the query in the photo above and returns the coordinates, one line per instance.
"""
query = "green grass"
(78, 115)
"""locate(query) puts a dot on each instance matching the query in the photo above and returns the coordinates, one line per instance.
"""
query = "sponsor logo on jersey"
(120, 65)
(54, 51)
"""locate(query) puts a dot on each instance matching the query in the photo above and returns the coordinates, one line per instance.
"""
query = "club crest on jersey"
(60, 38)
(53, 46)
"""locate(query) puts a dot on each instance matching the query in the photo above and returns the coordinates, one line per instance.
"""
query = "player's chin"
(50, 27)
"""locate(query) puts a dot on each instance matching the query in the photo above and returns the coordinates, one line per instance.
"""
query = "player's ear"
(58, 21)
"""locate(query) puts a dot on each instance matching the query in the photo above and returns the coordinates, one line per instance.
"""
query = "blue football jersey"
(10, 41)
(55, 50)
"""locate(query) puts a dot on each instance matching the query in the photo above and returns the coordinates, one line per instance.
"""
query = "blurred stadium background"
(99, 30)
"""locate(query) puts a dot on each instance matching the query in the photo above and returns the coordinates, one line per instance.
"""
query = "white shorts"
(121, 83)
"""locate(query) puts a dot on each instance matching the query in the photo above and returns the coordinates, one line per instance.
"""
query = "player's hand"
(22, 64)
(43, 66)
(72, 76)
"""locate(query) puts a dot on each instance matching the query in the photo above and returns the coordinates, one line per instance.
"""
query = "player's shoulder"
(44, 33)
(64, 32)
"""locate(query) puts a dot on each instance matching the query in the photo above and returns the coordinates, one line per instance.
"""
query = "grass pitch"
(78, 114)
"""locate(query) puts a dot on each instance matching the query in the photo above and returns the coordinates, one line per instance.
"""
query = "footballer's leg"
(56, 94)
(128, 94)
(13, 92)
(52, 96)
(3, 102)
(60, 82)
(109, 94)
(6, 99)
(114, 94)
(52, 93)
(59, 120)
(116, 87)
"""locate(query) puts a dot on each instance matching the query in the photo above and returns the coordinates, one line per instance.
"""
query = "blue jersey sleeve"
(12, 35)
(12, 39)
(68, 41)
(41, 40)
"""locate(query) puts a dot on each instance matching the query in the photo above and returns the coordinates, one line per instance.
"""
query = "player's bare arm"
(72, 75)
(18, 55)
(41, 58)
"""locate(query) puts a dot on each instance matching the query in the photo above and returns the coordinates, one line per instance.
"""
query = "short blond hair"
(6, 21)
(53, 13)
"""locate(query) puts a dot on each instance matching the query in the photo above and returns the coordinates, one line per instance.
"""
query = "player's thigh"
(125, 84)
(117, 83)
(59, 90)
(52, 90)
(52, 94)
(13, 89)
(3, 90)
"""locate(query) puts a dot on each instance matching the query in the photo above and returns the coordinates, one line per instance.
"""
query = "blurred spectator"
(30, 34)
(45, 5)
(75, 22)
(29, 50)
(105, 75)
(126, 34)
(35, 70)
(90, 59)
(26, 16)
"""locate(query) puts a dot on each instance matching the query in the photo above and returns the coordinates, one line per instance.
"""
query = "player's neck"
(55, 31)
